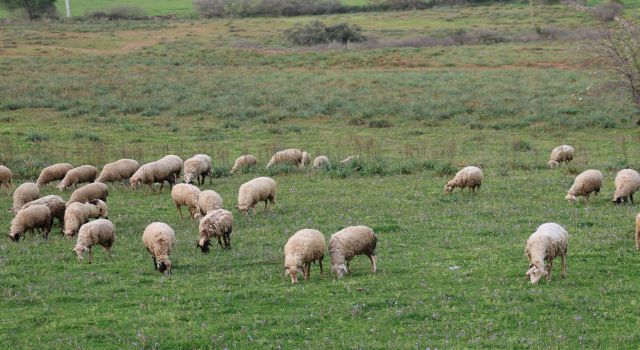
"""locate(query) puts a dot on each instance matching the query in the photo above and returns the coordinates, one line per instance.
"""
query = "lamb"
(306, 159)
(55, 204)
(246, 160)
(159, 239)
(549, 241)
(303, 248)
(25, 193)
(35, 217)
(175, 164)
(78, 214)
(561, 154)
(53, 173)
(97, 232)
(96, 190)
(185, 194)
(218, 223)
(470, 176)
(350, 159)
(291, 155)
(638, 232)
(321, 162)
(197, 167)
(154, 172)
(5, 177)
(349, 242)
(84, 173)
(209, 201)
(627, 182)
(588, 181)
(118, 171)
(255, 191)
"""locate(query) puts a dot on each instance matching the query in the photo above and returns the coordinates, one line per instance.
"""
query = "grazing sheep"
(291, 155)
(53, 173)
(470, 176)
(349, 242)
(303, 248)
(5, 177)
(257, 190)
(549, 241)
(246, 160)
(78, 214)
(321, 162)
(25, 193)
(588, 181)
(35, 217)
(561, 154)
(75, 176)
(159, 239)
(185, 194)
(118, 171)
(627, 182)
(218, 223)
(197, 167)
(209, 201)
(306, 159)
(96, 190)
(55, 204)
(350, 159)
(97, 232)
(154, 172)
(175, 165)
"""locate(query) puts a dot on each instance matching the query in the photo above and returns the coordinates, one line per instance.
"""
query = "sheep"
(218, 223)
(159, 239)
(175, 164)
(349, 242)
(255, 191)
(79, 213)
(303, 248)
(84, 173)
(321, 162)
(96, 190)
(97, 232)
(5, 177)
(588, 181)
(561, 154)
(549, 241)
(35, 217)
(306, 159)
(291, 155)
(118, 171)
(209, 201)
(154, 172)
(470, 176)
(638, 232)
(197, 167)
(246, 160)
(350, 159)
(52, 173)
(55, 204)
(627, 182)
(185, 194)
(25, 193)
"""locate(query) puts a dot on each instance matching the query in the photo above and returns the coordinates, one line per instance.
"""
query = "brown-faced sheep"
(561, 154)
(75, 176)
(246, 160)
(52, 173)
(25, 193)
(97, 232)
(219, 224)
(188, 195)
(119, 170)
(209, 201)
(197, 167)
(627, 183)
(5, 177)
(349, 242)
(321, 162)
(96, 190)
(154, 172)
(55, 204)
(470, 176)
(78, 214)
(303, 248)
(548, 242)
(255, 191)
(28, 219)
(587, 182)
(159, 239)
(291, 156)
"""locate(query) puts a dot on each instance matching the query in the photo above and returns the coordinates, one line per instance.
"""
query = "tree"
(33, 9)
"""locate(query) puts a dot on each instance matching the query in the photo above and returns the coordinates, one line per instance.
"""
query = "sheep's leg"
(179, 208)
(631, 196)
(348, 269)
(266, 203)
(564, 266)
(90, 255)
(306, 270)
(155, 263)
(220, 242)
(637, 239)
(108, 249)
(320, 263)
(227, 240)
(548, 268)
(586, 198)
(373, 262)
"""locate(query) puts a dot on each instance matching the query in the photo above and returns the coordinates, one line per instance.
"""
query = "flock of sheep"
(306, 246)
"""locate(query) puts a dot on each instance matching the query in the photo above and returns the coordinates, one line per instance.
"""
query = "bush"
(117, 13)
(32, 9)
(316, 32)
(401, 5)
(244, 8)
(607, 12)
(380, 123)
(211, 8)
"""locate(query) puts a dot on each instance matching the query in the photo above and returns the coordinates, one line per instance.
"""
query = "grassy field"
(451, 268)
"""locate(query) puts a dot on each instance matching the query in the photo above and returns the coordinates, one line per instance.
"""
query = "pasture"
(451, 267)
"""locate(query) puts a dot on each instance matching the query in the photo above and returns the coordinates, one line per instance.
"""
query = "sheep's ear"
(530, 271)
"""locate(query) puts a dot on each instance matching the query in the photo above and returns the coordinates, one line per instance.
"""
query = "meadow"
(451, 267)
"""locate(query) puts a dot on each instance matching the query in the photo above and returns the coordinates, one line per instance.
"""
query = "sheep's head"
(571, 198)
(292, 271)
(535, 273)
(448, 188)
(340, 269)
(79, 251)
(552, 164)
(204, 244)
(243, 209)
(134, 182)
(616, 200)
(60, 186)
(188, 178)
(15, 236)
(164, 267)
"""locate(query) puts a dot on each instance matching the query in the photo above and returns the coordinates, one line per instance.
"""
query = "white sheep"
(587, 182)
(255, 191)
(219, 224)
(548, 242)
(55, 204)
(350, 159)
(291, 155)
(638, 232)
(306, 159)
(197, 167)
(159, 239)
(188, 195)
(175, 164)
(246, 160)
(154, 172)
(118, 171)
(627, 183)
(321, 162)
(209, 201)
(25, 193)
(5, 177)
(78, 214)
(28, 219)
(52, 173)
(75, 176)
(95, 190)
(303, 248)
(349, 242)
(470, 176)
(561, 154)
(97, 232)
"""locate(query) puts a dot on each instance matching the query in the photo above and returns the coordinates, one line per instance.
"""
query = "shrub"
(445, 169)
(521, 146)
(607, 12)
(345, 33)
(316, 32)
(211, 8)
(401, 5)
(357, 122)
(244, 8)
(32, 9)
(35, 137)
(380, 123)
(117, 13)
